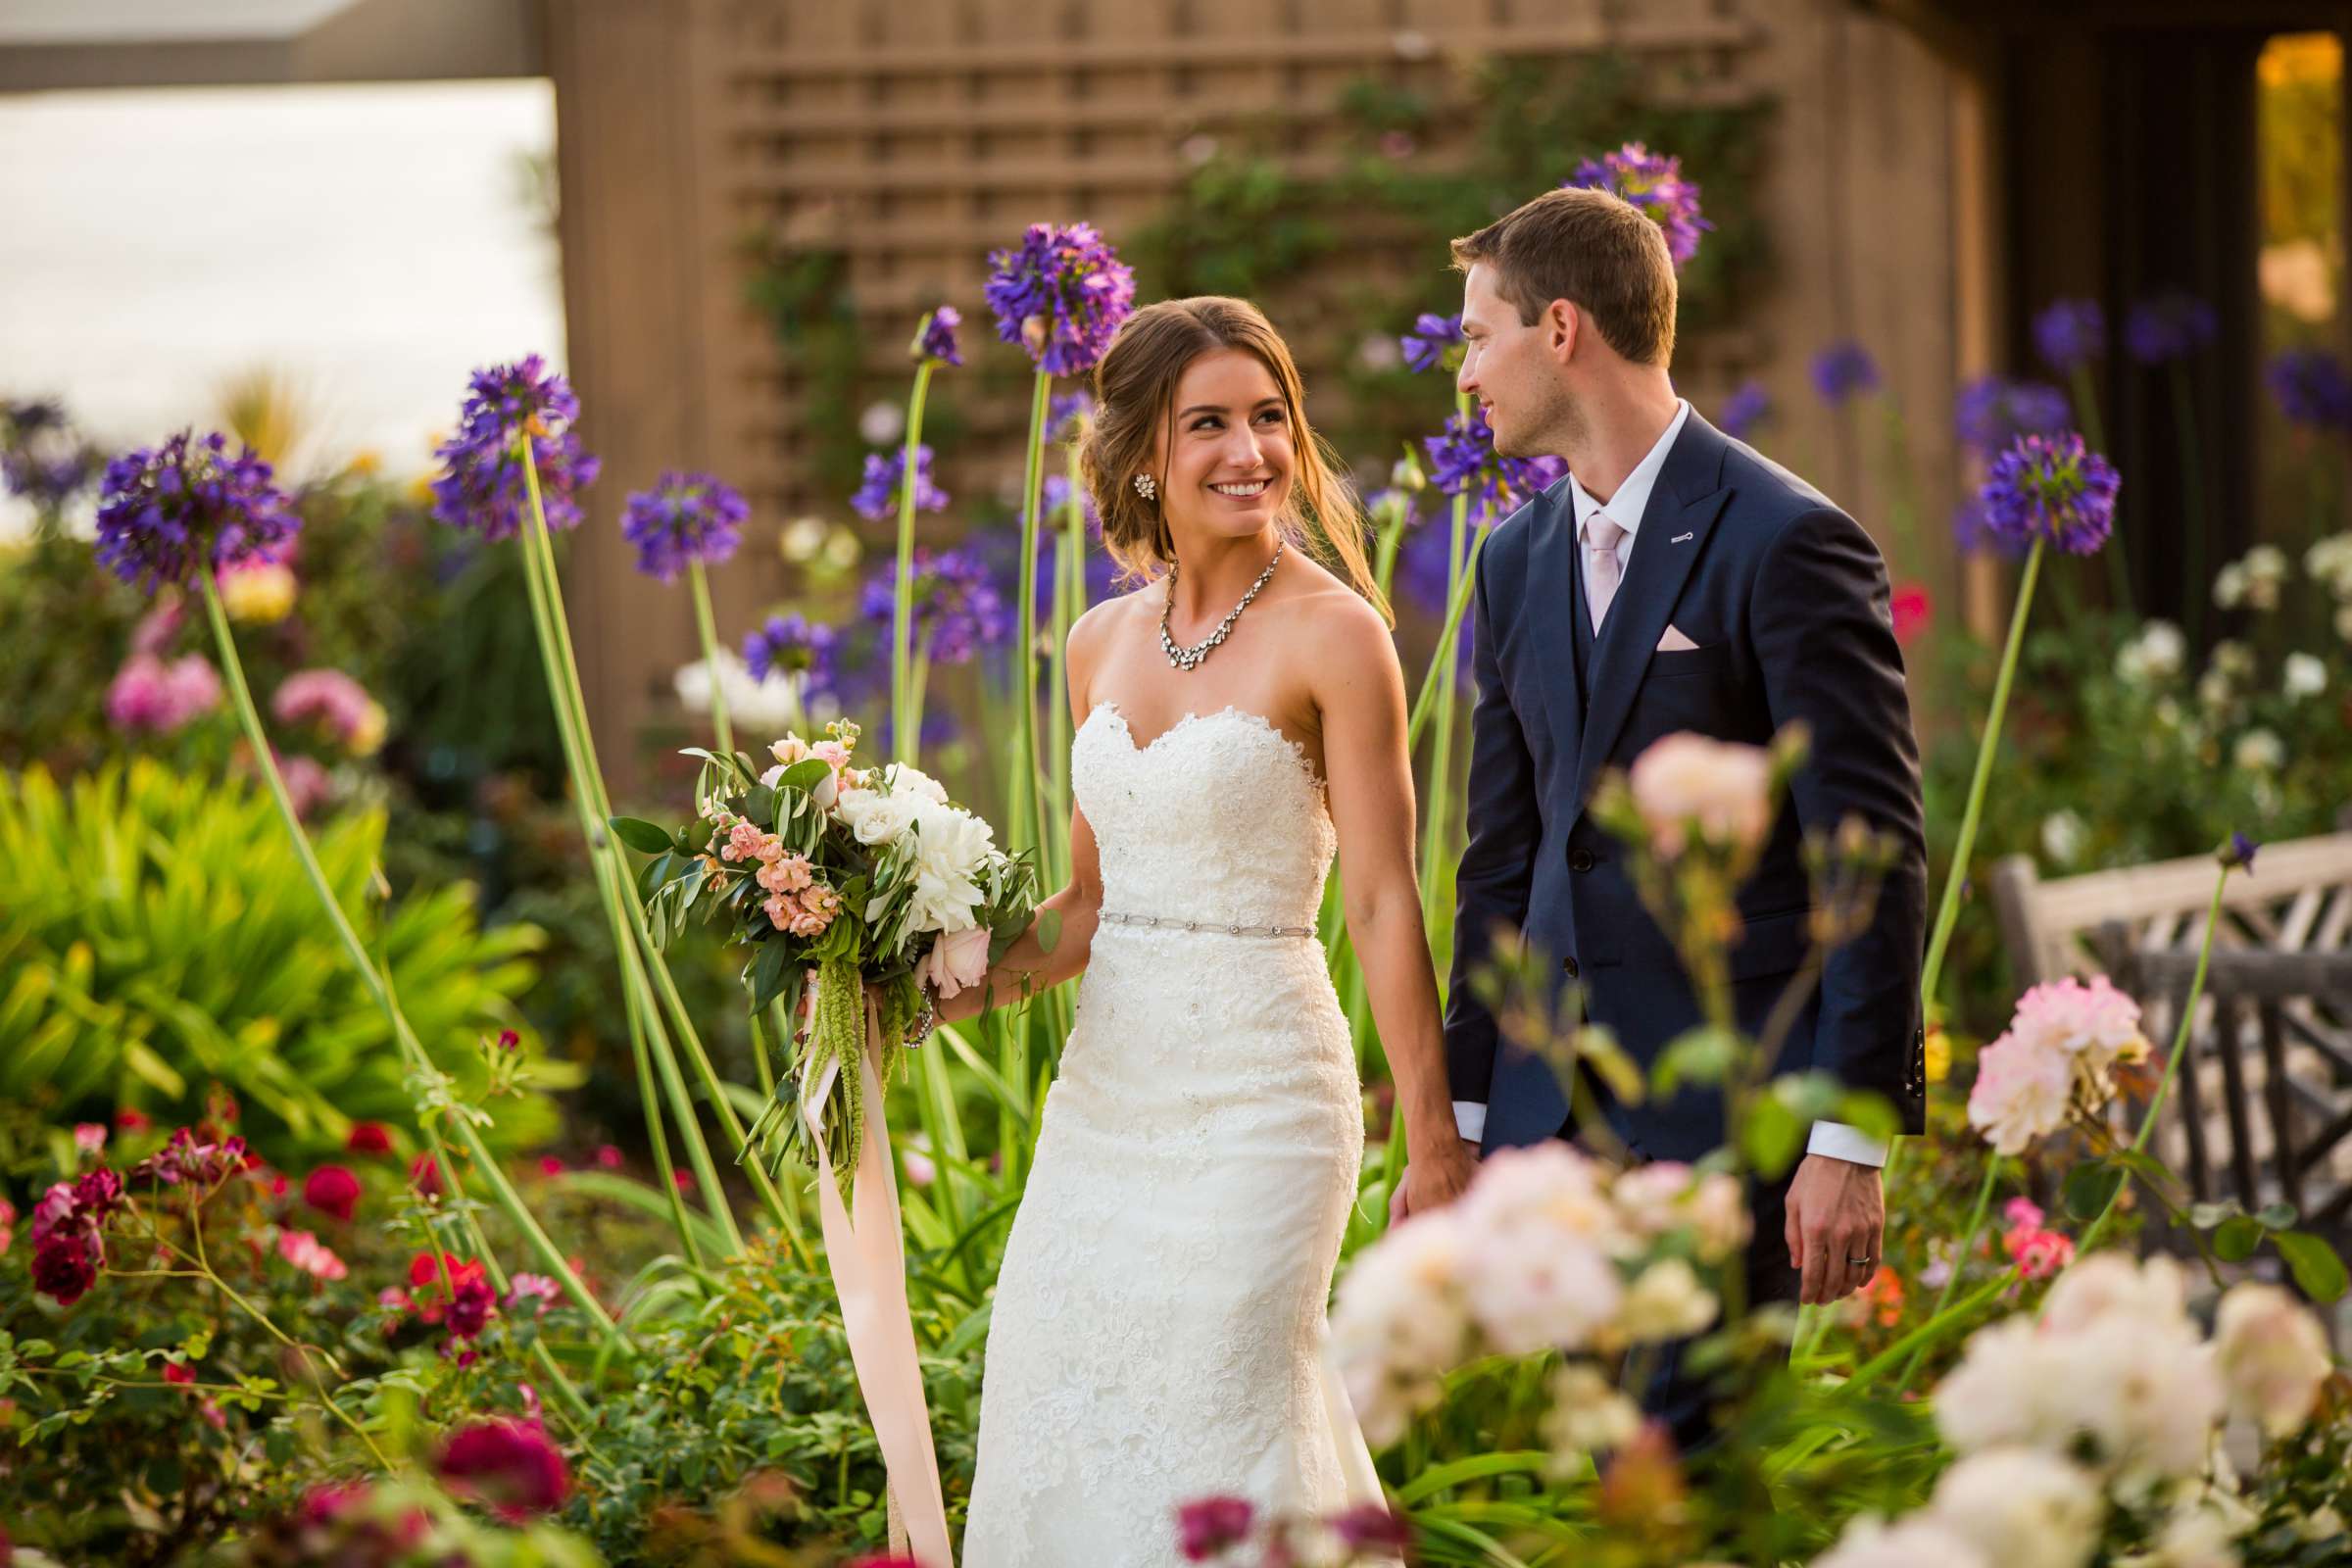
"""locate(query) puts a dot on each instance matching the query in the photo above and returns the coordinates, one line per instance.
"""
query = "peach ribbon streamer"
(868, 1264)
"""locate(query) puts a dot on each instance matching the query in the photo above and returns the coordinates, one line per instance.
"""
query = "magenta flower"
(684, 516)
(65, 1229)
(199, 1162)
(332, 1191)
(935, 339)
(1061, 294)
(482, 490)
(337, 702)
(538, 1288)
(508, 1466)
(2054, 488)
(470, 1307)
(877, 498)
(166, 512)
(1369, 1526)
(1653, 182)
(64, 1265)
(1209, 1526)
(368, 1138)
(156, 698)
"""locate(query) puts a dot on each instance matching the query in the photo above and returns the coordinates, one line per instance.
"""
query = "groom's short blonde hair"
(1596, 251)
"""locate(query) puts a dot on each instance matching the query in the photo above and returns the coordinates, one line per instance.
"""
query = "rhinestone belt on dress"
(1169, 923)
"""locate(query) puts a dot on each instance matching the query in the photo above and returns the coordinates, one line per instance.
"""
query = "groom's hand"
(1837, 1215)
(1434, 1178)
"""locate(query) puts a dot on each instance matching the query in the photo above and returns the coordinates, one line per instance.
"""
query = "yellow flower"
(368, 733)
(258, 595)
(1939, 1054)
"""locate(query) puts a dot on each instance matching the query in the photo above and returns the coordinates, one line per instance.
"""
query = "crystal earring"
(1144, 487)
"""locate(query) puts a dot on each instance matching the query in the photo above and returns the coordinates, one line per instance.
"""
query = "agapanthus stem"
(905, 743)
(1032, 488)
(2172, 1065)
(1968, 1250)
(2087, 409)
(1445, 663)
(1425, 700)
(1069, 603)
(404, 1037)
(1947, 913)
(707, 625)
(2195, 586)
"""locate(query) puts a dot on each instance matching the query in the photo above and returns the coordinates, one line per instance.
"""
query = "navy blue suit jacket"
(1786, 600)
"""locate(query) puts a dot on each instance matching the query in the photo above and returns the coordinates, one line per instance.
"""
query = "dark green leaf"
(2235, 1238)
(2314, 1263)
(2091, 1188)
(639, 835)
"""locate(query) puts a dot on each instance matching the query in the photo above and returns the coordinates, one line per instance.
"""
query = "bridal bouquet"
(838, 879)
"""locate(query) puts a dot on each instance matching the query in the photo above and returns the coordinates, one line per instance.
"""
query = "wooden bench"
(2262, 1110)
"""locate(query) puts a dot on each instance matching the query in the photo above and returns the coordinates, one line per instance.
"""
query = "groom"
(1675, 580)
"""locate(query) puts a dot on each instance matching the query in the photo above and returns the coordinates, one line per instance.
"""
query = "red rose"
(509, 1466)
(368, 1138)
(331, 1189)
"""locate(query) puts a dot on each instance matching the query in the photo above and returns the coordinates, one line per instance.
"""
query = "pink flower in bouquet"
(509, 1466)
(790, 749)
(787, 873)
(1209, 1526)
(1719, 787)
(956, 962)
(2094, 1024)
(311, 1255)
(332, 1191)
(747, 843)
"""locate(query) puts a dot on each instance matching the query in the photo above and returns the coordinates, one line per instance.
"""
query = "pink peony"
(1720, 788)
(956, 962)
(332, 1191)
(508, 1466)
(2021, 1094)
(311, 1255)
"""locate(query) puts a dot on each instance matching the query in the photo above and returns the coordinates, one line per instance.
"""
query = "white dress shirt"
(1835, 1139)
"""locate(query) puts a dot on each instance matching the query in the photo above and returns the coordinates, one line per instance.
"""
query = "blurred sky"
(371, 243)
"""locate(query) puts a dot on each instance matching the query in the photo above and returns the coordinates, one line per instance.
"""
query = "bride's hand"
(1433, 1179)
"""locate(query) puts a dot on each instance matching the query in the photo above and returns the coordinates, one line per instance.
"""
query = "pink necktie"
(1601, 564)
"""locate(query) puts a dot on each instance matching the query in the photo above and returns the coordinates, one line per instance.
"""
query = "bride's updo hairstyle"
(1135, 398)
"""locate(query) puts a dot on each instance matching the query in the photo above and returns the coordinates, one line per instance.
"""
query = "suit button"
(1580, 860)
(1569, 964)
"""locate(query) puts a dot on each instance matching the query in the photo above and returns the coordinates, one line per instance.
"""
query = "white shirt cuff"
(1839, 1142)
(1470, 1116)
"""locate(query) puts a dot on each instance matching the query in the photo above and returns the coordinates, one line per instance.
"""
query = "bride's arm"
(1360, 688)
(1027, 967)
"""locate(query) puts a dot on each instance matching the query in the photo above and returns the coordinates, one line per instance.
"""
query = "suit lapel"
(1675, 525)
(1552, 595)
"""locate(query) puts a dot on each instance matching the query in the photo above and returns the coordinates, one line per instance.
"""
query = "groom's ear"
(1563, 323)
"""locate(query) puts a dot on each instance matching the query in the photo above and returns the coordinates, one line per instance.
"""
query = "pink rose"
(956, 962)
(1720, 788)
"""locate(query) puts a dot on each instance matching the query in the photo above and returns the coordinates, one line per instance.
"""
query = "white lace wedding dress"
(1158, 1332)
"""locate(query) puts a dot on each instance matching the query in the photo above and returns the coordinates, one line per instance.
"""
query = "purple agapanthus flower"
(1653, 182)
(2070, 333)
(1435, 340)
(790, 645)
(1096, 571)
(1061, 294)
(2167, 325)
(1993, 410)
(2054, 488)
(1067, 414)
(2311, 387)
(2238, 853)
(956, 606)
(1972, 531)
(683, 518)
(483, 490)
(43, 459)
(1422, 569)
(1744, 410)
(878, 497)
(935, 339)
(1463, 460)
(167, 513)
(1842, 370)
(1057, 495)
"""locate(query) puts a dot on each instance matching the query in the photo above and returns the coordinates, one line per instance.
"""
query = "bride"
(1159, 1323)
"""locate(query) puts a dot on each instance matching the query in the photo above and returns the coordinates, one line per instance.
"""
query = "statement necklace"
(1190, 658)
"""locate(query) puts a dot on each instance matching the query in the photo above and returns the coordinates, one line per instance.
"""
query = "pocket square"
(1674, 642)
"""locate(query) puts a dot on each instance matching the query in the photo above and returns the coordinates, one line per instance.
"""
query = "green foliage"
(158, 933)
